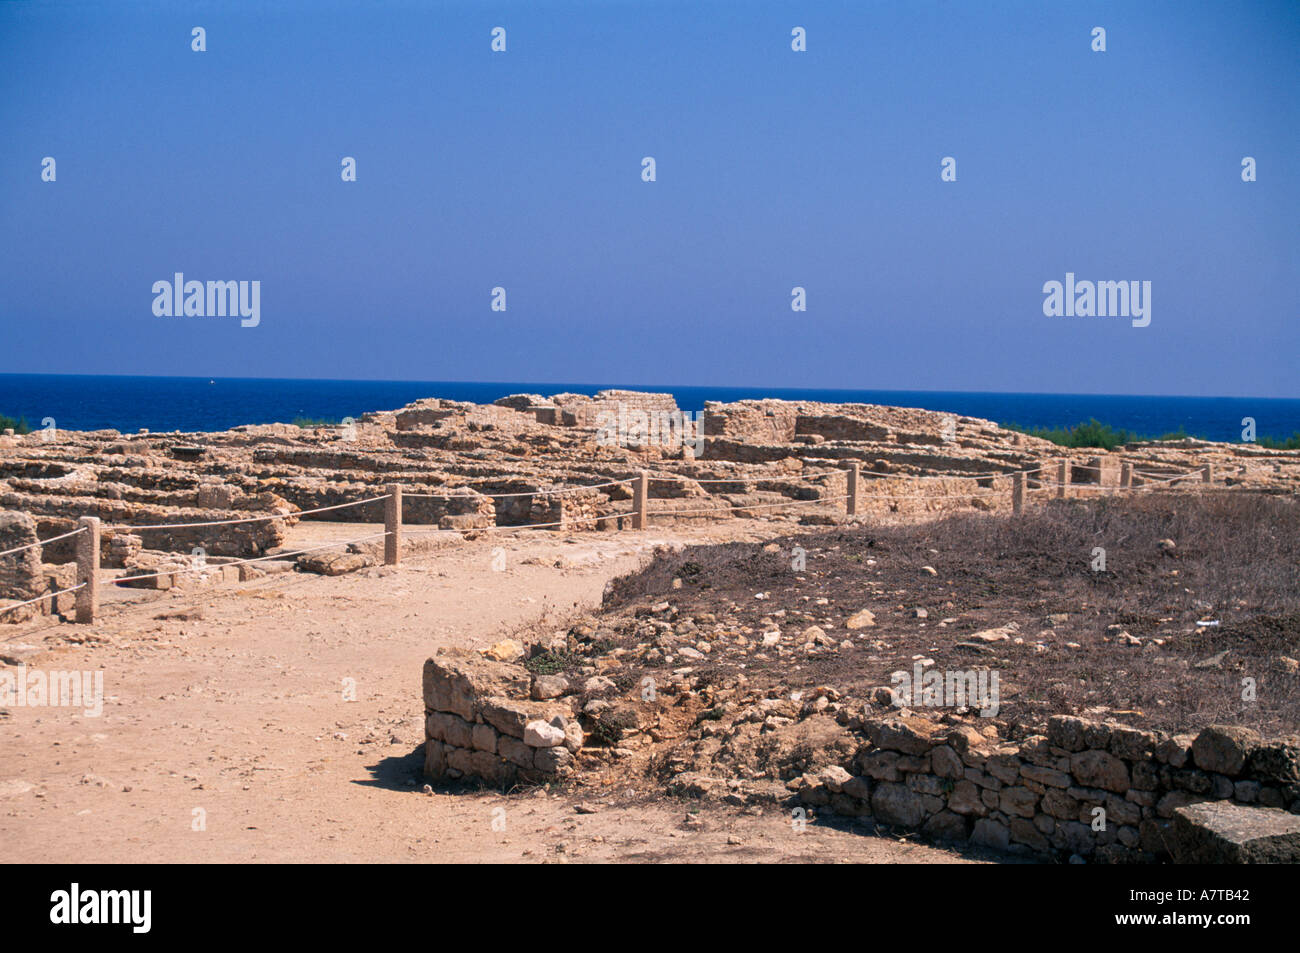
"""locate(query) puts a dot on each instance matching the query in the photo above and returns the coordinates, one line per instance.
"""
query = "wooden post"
(1207, 473)
(1062, 478)
(1018, 493)
(855, 482)
(87, 597)
(1126, 476)
(640, 497)
(393, 525)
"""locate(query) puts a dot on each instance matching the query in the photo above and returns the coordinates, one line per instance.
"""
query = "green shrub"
(1092, 434)
(1289, 443)
(1096, 434)
(551, 662)
(19, 426)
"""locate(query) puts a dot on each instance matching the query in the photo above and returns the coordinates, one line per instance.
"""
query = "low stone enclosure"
(484, 719)
(1134, 713)
(1082, 789)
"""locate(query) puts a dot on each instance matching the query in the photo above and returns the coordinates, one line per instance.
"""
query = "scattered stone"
(861, 619)
(507, 650)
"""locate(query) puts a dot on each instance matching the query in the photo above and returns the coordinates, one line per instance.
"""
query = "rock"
(946, 826)
(546, 687)
(859, 788)
(507, 650)
(693, 784)
(834, 777)
(1100, 769)
(929, 570)
(540, 734)
(1049, 777)
(894, 803)
(598, 685)
(333, 564)
(515, 751)
(1214, 661)
(449, 729)
(1017, 801)
(1000, 634)
(860, 619)
(965, 799)
(1024, 832)
(554, 760)
(946, 763)
(909, 735)
(455, 680)
(511, 716)
(880, 765)
(991, 833)
(1277, 761)
(1132, 744)
(1219, 832)
(1223, 749)
(814, 634)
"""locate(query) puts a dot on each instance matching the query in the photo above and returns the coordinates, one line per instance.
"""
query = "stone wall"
(21, 577)
(1040, 794)
(579, 410)
(483, 722)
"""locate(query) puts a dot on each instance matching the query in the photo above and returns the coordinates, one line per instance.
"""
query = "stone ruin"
(1101, 791)
(467, 467)
(487, 719)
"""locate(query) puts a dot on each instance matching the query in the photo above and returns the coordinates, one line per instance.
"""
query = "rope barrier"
(253, 519)
(503, 526)
(501, 496)
(48, 595)
(743, 506)
(44, 542)
(242, 562)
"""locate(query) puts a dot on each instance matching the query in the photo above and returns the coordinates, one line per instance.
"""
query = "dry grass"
(1236, 559)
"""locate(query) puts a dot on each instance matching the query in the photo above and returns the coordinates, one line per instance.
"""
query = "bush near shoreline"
(1094, 433)
(18, 426)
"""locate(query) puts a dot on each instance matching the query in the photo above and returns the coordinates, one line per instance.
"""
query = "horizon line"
(652, 388)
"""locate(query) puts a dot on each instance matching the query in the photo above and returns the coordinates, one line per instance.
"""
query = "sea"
(162, 404)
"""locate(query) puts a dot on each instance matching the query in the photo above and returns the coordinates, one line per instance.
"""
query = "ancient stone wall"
(1042, 793)
(21, 577)
(480, 723)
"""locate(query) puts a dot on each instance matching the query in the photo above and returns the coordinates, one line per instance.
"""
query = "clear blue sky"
(775, 169)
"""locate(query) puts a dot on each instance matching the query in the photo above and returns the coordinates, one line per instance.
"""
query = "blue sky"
(775, 169)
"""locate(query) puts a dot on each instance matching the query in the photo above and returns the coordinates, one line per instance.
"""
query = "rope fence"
(88, 545)
(42, 542)
(251, 519)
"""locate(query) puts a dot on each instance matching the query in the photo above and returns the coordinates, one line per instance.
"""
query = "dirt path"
(227, 703)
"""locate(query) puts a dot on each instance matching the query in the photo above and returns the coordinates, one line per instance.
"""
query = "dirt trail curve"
(235, 714)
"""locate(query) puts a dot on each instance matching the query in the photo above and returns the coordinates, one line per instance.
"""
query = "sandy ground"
(234, 719)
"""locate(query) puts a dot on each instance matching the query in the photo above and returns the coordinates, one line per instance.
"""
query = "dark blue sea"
(190, 404)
